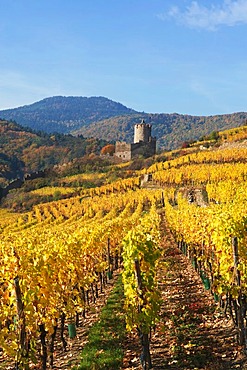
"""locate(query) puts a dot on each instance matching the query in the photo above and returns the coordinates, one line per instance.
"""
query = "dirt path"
(193, 332)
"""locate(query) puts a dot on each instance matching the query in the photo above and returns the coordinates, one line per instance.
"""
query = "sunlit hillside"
(57, 254)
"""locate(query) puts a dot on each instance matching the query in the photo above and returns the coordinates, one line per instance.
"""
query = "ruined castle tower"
(144, 144)
(142, 132)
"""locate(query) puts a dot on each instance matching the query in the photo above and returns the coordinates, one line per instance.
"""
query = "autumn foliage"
(108, 149)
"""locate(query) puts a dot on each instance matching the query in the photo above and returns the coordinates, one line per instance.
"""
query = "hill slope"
(103, 118)
(22, 150)
(171, 130)
(64, 114)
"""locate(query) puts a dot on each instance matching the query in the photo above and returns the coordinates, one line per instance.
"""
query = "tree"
(108, 149)
(214, 135)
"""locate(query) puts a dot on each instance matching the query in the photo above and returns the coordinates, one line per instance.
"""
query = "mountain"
(171, 130)
(65, 114)
(23, 150)
(102, 118)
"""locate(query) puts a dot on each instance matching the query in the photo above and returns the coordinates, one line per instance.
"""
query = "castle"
(144, 144)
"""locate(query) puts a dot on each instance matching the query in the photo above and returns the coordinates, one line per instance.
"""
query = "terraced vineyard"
(56, 261)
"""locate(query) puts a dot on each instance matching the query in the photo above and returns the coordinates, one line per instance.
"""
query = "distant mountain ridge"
(102, 118)
(64, 114)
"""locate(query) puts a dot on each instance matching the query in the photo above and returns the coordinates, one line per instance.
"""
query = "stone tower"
(142, 132)
(144, 144)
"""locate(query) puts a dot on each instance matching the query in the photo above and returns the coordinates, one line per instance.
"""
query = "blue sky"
(156, 56)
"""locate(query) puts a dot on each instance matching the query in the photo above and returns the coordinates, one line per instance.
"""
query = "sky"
(154, 56)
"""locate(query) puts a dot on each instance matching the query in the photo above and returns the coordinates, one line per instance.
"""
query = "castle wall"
(143, 149)
(123, 151)
(17, 184)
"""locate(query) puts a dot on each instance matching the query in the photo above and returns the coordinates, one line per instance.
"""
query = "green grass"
(104, 348)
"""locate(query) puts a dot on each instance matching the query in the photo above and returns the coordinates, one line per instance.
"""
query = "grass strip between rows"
(104, 349)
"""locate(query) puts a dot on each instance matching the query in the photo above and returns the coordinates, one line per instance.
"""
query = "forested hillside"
(23, 150)
(64, 114)
(103, 118)
(171, 130)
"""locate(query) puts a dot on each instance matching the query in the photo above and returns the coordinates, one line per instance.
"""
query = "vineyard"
(56, 259)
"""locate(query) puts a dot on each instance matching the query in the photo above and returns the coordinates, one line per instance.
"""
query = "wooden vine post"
(162, 200)
(240, 316)
(21, 352)
(145, 357)
(109, 260)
